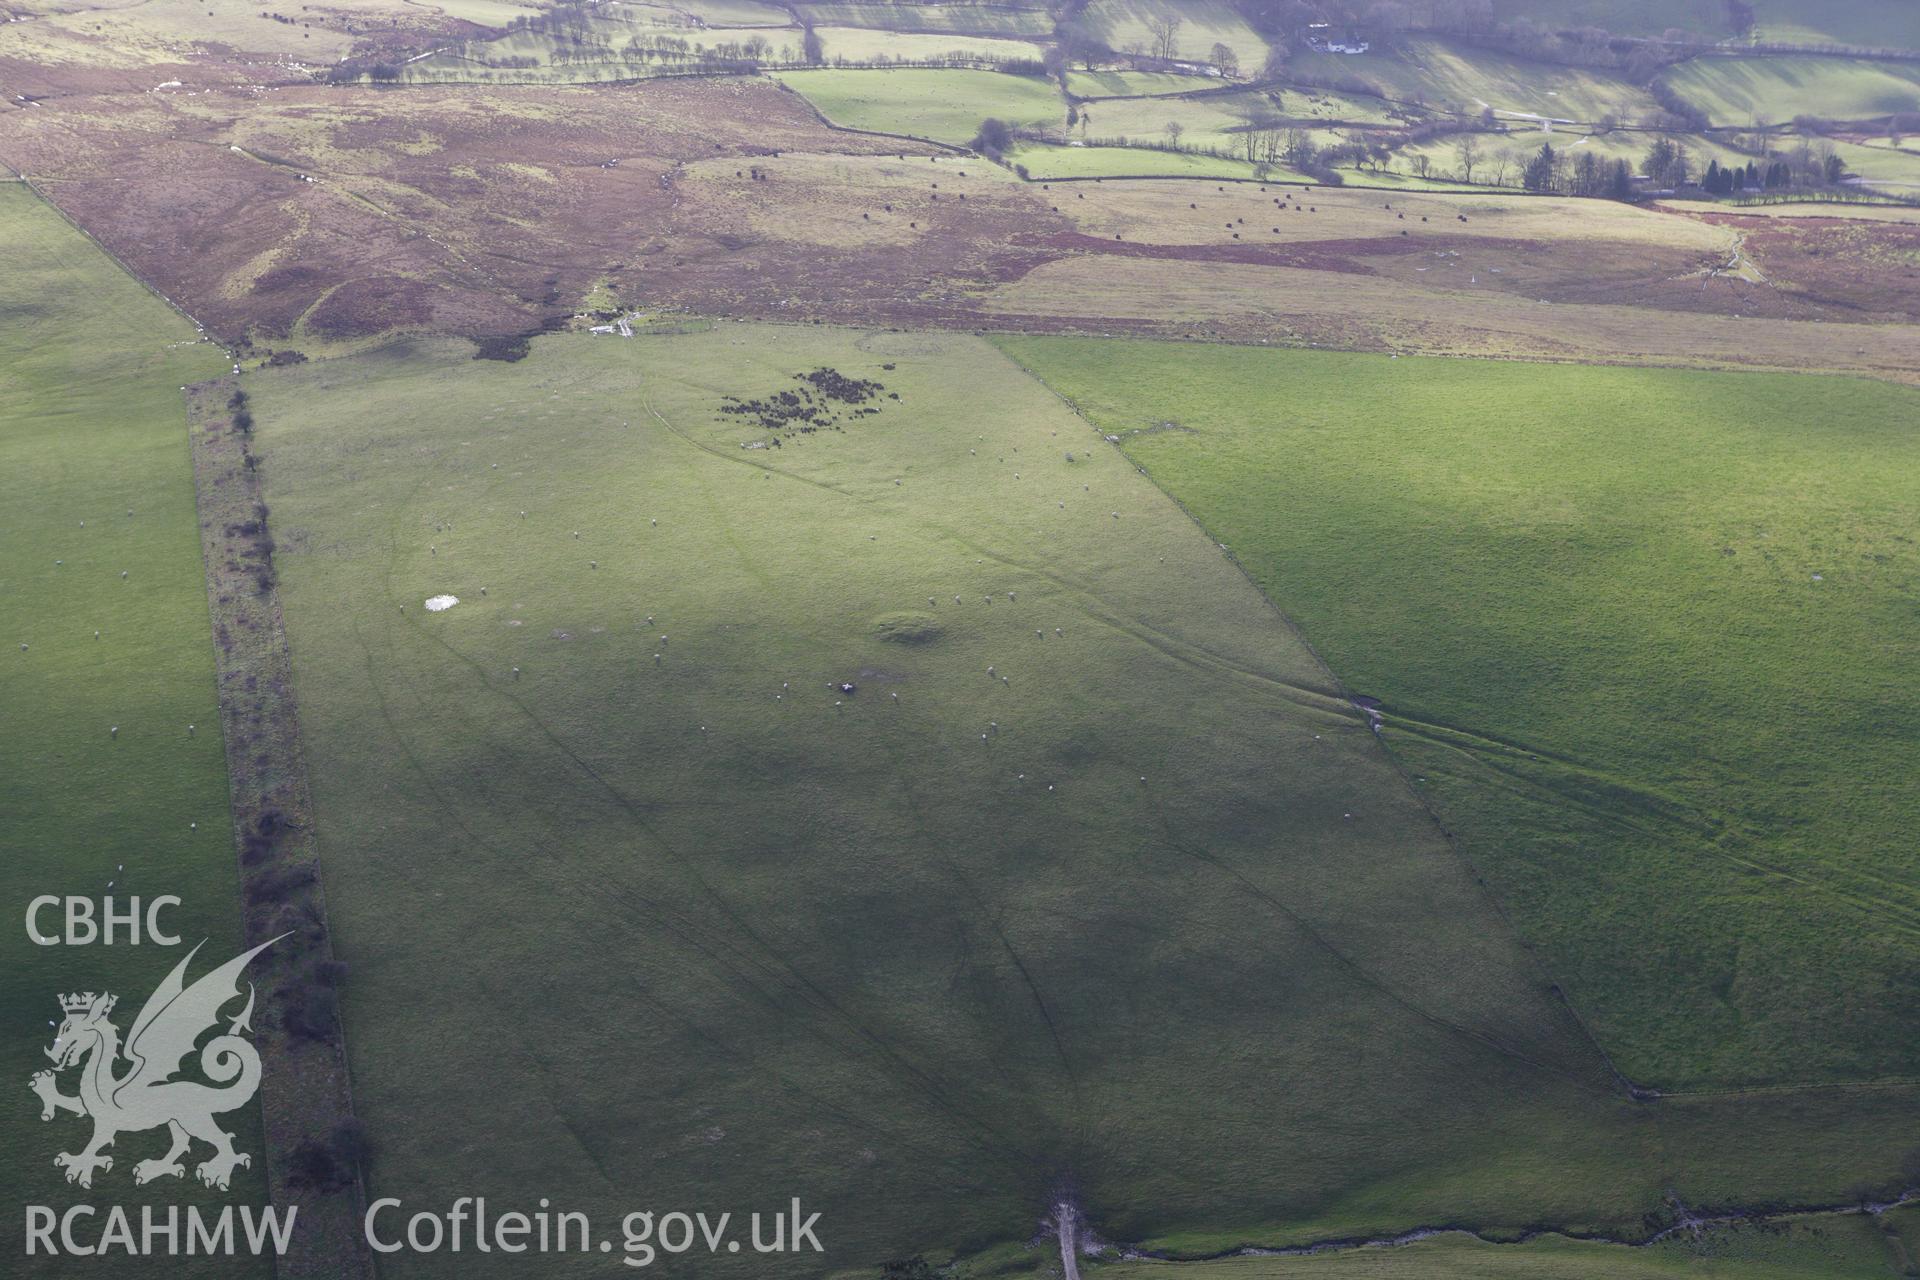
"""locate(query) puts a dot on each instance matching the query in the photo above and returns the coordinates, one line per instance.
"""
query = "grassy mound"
(907, 628)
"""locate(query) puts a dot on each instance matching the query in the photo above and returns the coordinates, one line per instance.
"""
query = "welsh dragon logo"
(145, 1095)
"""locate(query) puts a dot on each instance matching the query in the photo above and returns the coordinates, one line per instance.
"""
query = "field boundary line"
(1727, 1216)
(821, 116)
(314, 1147)
(112, 257)
(1549, 979)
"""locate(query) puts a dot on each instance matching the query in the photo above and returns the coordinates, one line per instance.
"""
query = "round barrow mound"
(907, 628)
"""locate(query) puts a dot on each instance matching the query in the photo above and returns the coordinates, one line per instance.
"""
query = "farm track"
(1663, 814)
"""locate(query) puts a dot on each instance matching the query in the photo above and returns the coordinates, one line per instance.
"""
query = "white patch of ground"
(439, 604)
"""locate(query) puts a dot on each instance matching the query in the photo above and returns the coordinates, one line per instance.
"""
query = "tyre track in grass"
(1083, 1121)
(640, 910)
(1359, 971)
(1664, 816)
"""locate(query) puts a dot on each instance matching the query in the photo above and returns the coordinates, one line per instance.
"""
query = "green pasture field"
(1216, 120)
(1698, 18)
(95, 482)
(1867, 24)
(944, 105)
(968, 19)
(1132, 84)
(865, 44)
(1464, 79)
(559, 60)
(1326, 105)
(1736, 91)
(1642, 638)
(1117, 897)
(1877, 163)
(735, 13)
(1872, 24)
(1824, 1247)
(1203, 23)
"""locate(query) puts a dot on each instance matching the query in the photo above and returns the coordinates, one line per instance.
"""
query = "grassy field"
(1203, 24)
(946, 106)
(1879, 164)
(866, 44)
(95, 484)
(1211, 120)
(1639, 633)
(1870, 24)
(1203, 122)
(968, 19)
(953, 943)
(163, 31)
(1128, 84)
(1874, 24)
(736, 13)
(1734, 91)
(1464, 79)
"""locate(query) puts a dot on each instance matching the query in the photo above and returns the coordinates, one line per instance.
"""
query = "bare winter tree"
(1165, 30)
(1467, 152)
